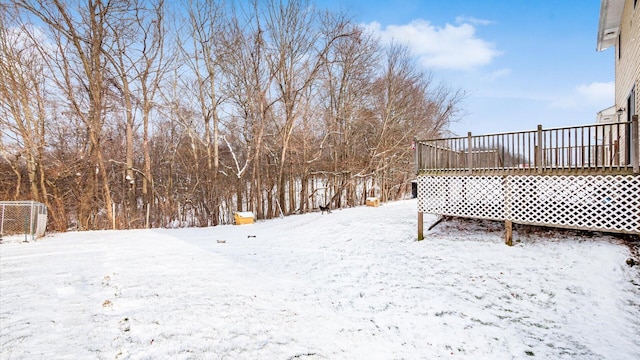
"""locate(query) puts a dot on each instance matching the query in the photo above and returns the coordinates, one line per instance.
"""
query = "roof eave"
(609, 23)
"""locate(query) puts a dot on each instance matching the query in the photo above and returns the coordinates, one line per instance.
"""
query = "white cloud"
(492, 76)
(600, 94)
(449, 47)
(472, 20)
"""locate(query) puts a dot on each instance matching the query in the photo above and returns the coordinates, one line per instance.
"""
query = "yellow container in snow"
(373, 201)
(243, 217)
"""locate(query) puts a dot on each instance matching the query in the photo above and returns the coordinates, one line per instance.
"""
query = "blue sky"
(521, 62)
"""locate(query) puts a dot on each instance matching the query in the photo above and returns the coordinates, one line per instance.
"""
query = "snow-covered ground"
(353, 284)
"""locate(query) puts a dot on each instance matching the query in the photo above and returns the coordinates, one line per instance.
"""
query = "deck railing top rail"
(595, 148)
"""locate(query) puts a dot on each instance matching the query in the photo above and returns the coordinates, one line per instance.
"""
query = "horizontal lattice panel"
(465, 196)
(608, 203)
(585, 202)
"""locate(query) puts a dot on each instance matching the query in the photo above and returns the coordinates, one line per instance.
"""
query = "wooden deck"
(582, 177)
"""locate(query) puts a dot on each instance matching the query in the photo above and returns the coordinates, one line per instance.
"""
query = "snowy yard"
(353, 284)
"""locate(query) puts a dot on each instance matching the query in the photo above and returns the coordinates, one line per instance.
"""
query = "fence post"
(2, 222)
(32, 230)
(469, 153)
(420, 226)
(634, 145)
(146, 225)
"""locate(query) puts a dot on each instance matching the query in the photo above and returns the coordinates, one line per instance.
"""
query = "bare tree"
(199, 48)
(80, 35)
(405, 104)
(254, 105)
(248, 87)
(122, 58)
(347, 81)
(28, 114)
(154, 65)
(139, 62)
(23, 102)
(297, 50)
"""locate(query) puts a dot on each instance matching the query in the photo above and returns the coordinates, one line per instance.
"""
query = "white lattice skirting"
(589, 202)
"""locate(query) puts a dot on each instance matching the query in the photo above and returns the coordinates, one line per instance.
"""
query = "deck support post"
(420, 226)
(508, 232)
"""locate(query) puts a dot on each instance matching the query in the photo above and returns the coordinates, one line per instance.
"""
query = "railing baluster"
(595, 146)
(617, 146)
(602, 153)
(557, 154)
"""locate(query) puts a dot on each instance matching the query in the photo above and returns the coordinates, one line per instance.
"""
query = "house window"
(619, 46)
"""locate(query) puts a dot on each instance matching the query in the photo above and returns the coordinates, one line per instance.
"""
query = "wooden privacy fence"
(581, 177)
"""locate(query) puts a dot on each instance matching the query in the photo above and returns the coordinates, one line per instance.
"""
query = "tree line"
(146, 113)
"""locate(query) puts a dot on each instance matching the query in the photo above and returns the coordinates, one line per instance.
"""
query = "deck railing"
(603, 148)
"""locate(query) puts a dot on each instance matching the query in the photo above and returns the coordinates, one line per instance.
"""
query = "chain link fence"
(28, 218)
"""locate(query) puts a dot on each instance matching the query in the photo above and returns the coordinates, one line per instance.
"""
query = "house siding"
(627, 65)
